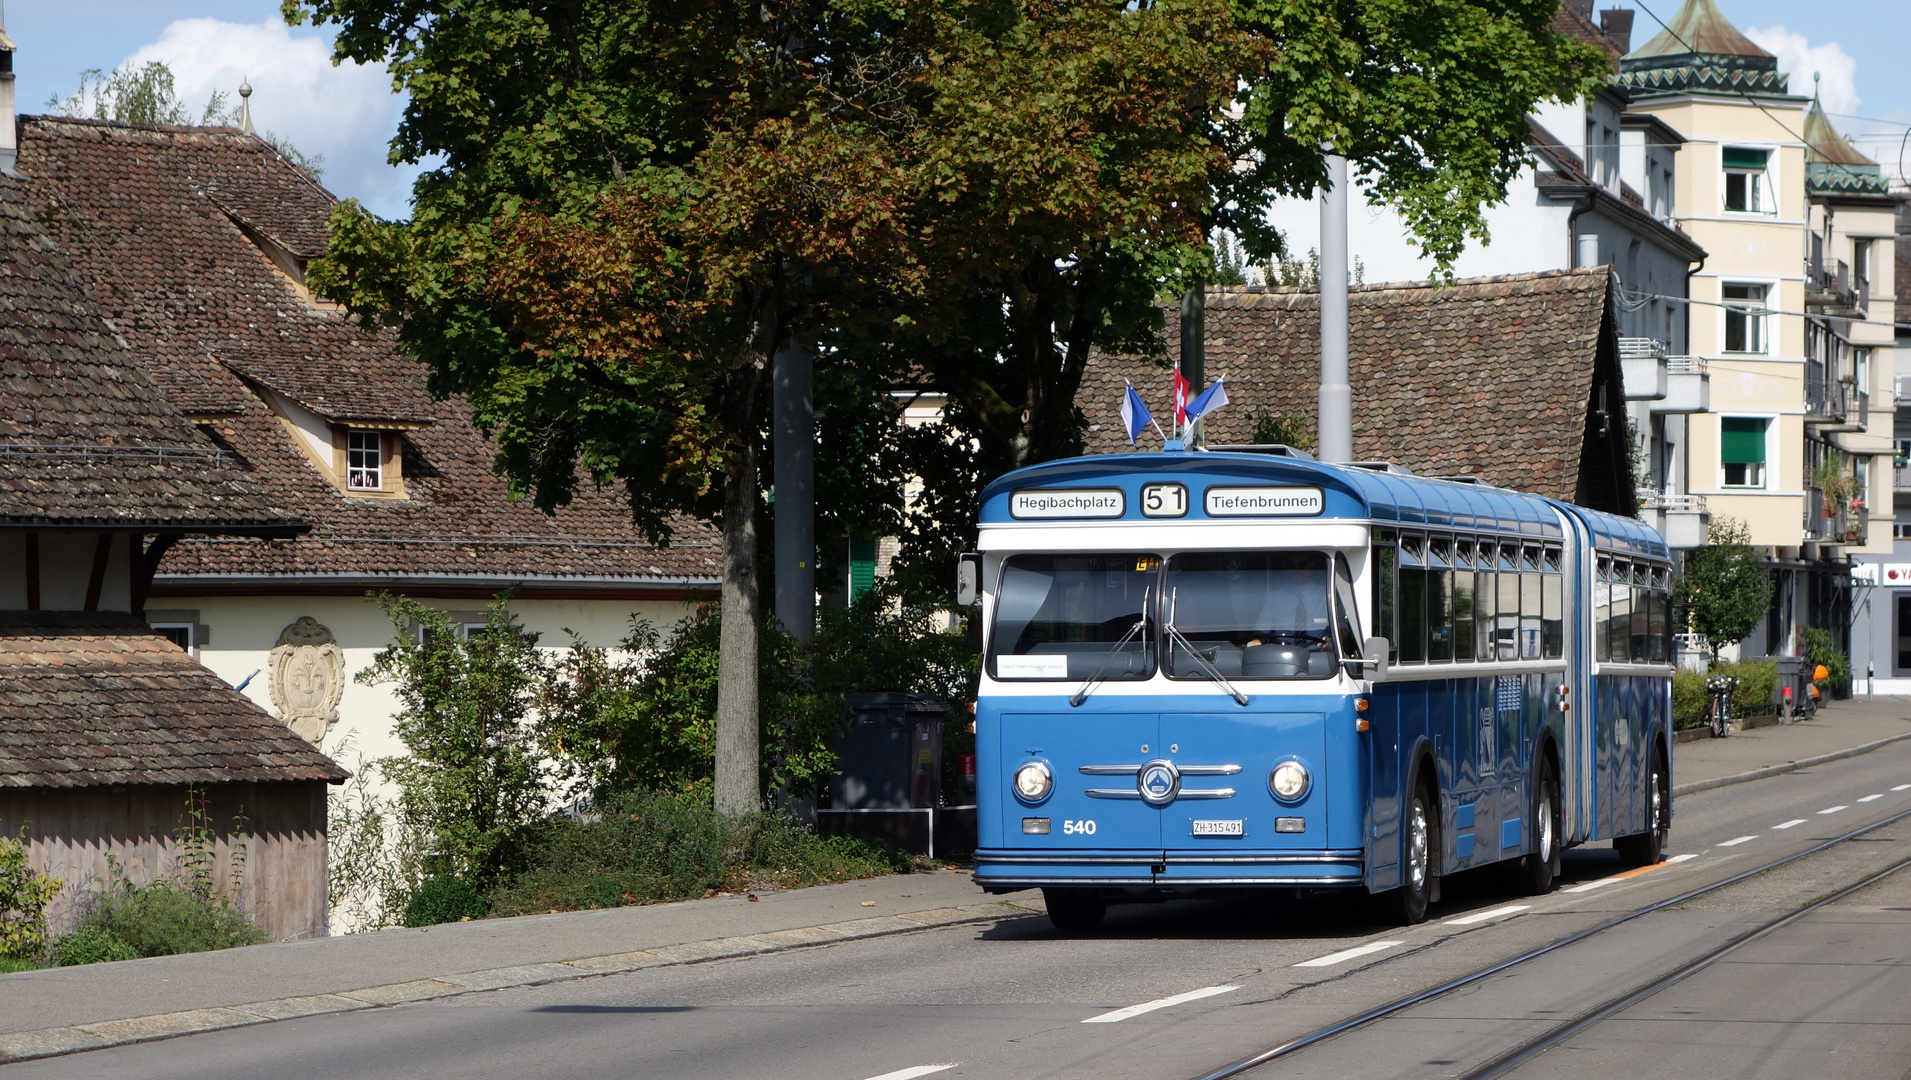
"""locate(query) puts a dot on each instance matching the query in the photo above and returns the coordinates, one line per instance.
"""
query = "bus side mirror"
(1373, 657)
(968, 578)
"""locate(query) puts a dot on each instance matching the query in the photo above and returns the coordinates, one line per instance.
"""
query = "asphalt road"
(1175, 990)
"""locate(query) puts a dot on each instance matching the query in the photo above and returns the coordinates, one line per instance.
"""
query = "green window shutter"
(862, 566)
(1740, 158)
(1741, 440)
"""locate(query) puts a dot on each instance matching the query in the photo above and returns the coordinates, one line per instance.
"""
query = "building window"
(180, 634)
(1861, 268)
(1744, 318)
(1742, 450)
(1861, 371)
(1745, 181)
(365, 461)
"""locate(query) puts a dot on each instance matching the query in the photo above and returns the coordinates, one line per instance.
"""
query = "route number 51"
(1164, 500)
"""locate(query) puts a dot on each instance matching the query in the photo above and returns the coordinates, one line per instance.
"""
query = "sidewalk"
(62, 1010)
(1839, 727)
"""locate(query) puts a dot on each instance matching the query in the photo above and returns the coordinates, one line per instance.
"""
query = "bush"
(24, 893)
(647, 846)
(1689, 699)
(443, 900)
(161, 919)
(1820, 648)
(1757, 685)
(93, 945)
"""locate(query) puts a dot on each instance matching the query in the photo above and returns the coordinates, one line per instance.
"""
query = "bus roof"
(1348, 492)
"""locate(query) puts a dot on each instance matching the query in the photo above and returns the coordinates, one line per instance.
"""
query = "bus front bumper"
(1002, 871)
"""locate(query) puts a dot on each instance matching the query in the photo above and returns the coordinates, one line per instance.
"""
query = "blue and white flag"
(1134, 415)
(1211, 399)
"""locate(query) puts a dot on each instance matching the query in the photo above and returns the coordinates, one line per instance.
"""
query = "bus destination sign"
(1264, 501)
(1067, 503)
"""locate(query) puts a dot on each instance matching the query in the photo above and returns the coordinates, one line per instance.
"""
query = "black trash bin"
(888, 781)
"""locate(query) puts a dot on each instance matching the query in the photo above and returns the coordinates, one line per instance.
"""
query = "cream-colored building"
(1798, 230)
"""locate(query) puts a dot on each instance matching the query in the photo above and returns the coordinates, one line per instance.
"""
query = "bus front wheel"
(1417, 863)
(1074, 909)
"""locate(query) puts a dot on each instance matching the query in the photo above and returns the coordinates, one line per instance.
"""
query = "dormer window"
(365, 461)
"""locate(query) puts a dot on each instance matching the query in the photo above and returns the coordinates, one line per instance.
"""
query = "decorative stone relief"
(307, 678)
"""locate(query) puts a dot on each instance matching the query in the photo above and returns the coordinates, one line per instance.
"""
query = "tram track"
(1527, 1050)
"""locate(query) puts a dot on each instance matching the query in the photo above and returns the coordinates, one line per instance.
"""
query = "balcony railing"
(1825, 396)
(1832, 287)
(1678, 504)
(1642, 365)
(1696, 365)
(1901, 478)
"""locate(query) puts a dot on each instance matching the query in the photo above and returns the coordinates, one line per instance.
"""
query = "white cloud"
(1799, 58)
(347, 113)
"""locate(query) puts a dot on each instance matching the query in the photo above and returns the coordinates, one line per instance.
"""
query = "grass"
(126, 921)
(10, 964)
(650, 847)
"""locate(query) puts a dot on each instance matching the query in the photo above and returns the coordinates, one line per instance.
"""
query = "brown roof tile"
(90, 698)
(157, 220)
(1487, 377)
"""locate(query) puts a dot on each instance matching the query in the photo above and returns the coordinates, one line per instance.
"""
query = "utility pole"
(793, 447)
(1336, 396)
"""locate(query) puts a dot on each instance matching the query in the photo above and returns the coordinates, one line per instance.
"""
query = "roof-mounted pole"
(1336, 396)
(245, 107)
(9, 142)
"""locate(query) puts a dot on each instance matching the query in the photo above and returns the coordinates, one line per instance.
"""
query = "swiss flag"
(1180, 400)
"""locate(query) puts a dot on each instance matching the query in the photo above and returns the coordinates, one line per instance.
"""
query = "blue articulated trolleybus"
(1211, 671)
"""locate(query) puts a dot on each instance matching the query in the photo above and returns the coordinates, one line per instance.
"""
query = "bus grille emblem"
(1159, 782)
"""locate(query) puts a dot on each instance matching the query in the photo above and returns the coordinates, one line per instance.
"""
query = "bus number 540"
(1085, 828)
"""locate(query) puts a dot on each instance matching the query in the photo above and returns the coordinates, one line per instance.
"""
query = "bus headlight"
(1289, 781)
(1033, 782)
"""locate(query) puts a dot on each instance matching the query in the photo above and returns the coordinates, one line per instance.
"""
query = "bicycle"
(1720, 711)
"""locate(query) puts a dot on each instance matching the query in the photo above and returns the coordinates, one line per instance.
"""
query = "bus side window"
(1348, 618)
(1413, 600)
(1440, 601)
(1530, 616)
(1463, 625)
(1386, 556)
(1620, 622)
(1484, 599)
(1551, 629)
(1507, 628)
(1602, 612)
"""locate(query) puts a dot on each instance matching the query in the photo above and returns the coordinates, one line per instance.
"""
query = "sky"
(349, 114)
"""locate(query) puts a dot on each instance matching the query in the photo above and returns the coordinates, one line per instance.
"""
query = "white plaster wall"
(243, 630)
(1526, 233)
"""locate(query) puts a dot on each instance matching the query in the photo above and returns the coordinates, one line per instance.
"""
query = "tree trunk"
(739, 737)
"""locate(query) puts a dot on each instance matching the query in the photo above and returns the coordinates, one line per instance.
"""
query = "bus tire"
(1648, 847)
(1419, 857)
(1074, 909)
(1543, 865)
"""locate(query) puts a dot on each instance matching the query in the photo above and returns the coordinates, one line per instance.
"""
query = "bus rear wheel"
(1543, 865)
(1648, 847)
(1074, 909)
(1418, 859)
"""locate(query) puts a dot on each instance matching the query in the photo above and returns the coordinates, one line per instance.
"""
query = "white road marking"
(1683, 858)
(1871, 798)
(1738, 841)
(1591, 885)
(1789, 824)
(1835, 809)
(1159, 1003)
(1345, 955)
(1901, 787)
(914, 1071)
(1483, 916)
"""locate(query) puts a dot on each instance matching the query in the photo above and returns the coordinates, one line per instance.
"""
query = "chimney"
(9, 123)
(1616, 23)
(1584, 7)
(1588, 249)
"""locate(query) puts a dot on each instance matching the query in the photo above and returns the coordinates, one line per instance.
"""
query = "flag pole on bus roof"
(1336, 405)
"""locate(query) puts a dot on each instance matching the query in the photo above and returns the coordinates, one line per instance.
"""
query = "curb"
(1790, 766)
(52, 1042)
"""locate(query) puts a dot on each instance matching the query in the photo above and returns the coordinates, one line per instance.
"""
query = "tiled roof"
(1494, 377)
(91, 698)
(1832, 165)
(1700, 51)
(157, 220)
(86, 436)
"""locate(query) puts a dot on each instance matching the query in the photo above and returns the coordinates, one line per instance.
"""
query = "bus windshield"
(1065, 617)
(1251, 614)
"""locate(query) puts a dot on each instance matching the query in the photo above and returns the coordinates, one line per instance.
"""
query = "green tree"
(467, 714)
(143, 94)
(1723, 592)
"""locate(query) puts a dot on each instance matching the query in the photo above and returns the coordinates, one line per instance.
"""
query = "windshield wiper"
(1088, 687)
(1201, 660)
